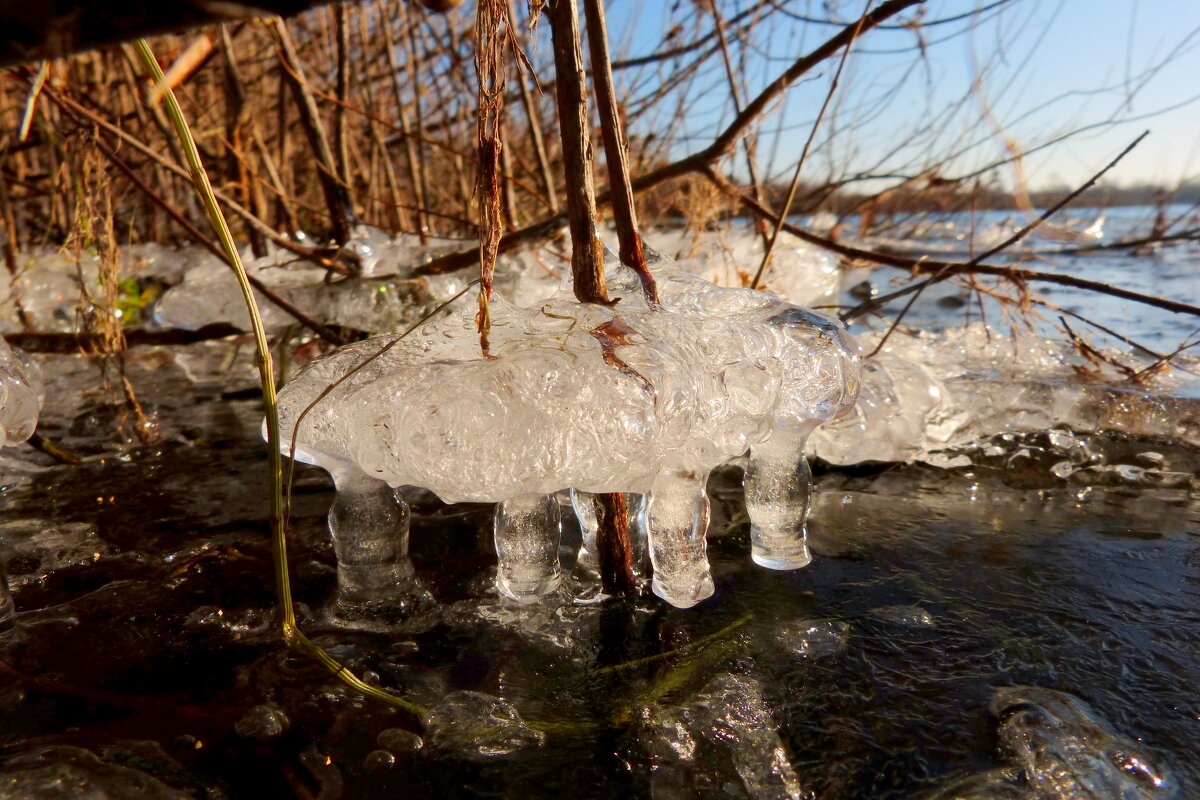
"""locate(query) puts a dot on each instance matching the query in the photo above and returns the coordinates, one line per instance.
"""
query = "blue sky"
(1045, 68)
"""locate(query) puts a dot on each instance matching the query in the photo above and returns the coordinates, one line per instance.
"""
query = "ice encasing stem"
(778, 487)
(677, 522)
(587, 255)
(528, 530)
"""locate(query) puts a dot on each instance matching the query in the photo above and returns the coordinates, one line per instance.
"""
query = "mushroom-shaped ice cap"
(599, 398)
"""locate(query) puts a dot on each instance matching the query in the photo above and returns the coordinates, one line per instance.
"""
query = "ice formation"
(587, 397)
(389, 296)
(20, 395)
(798, 272)
(20, 401)
(926, 396)
(1066, 751)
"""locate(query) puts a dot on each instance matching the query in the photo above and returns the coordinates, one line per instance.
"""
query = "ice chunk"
(387, 296)
(72, 773)
(20, 395)
(1068, 753)
(477, 724)
(927, 394)
(798, 271)
(262, 723)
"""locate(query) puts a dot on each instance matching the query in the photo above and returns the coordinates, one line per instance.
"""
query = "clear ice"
(622, 398)
(369, 523)
(21, 396)
(527, 530)
(928, 395)
(1068, 753)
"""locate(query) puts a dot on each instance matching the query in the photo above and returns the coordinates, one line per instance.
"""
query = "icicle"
(677, 521)
(369, 523)
(528, 530)
(585, 512)
(778, 497)
(8, 609)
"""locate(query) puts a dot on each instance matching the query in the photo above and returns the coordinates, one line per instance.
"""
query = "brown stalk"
(535, 135)
(632, 252)
(587, 256)
(344, 78)
(699, 162)
(587, 263)
(415, 71)
(71, 106)
(812, 133)
(490, 20)
(416, 174)
(236, 119)
(337, 197)
(735, 95)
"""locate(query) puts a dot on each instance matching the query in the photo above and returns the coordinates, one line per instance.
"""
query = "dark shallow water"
(144, 637)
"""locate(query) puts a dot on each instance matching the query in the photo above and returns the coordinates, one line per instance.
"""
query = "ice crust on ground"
(931, 393)
(389, 296)
(386, 298)
(578, 396)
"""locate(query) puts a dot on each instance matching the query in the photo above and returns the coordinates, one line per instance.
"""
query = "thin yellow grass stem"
(292, 635)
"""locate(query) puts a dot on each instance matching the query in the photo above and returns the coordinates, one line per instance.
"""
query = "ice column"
(585, 511)
(8, 609)
(369, 523)
(528, 530)
(778, 498)
(677, 521)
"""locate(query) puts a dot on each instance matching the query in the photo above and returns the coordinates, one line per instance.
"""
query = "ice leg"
(677, 521)
(8, 609)
(778, 497)
(585, 512)
(527, 535)
(369, 524)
